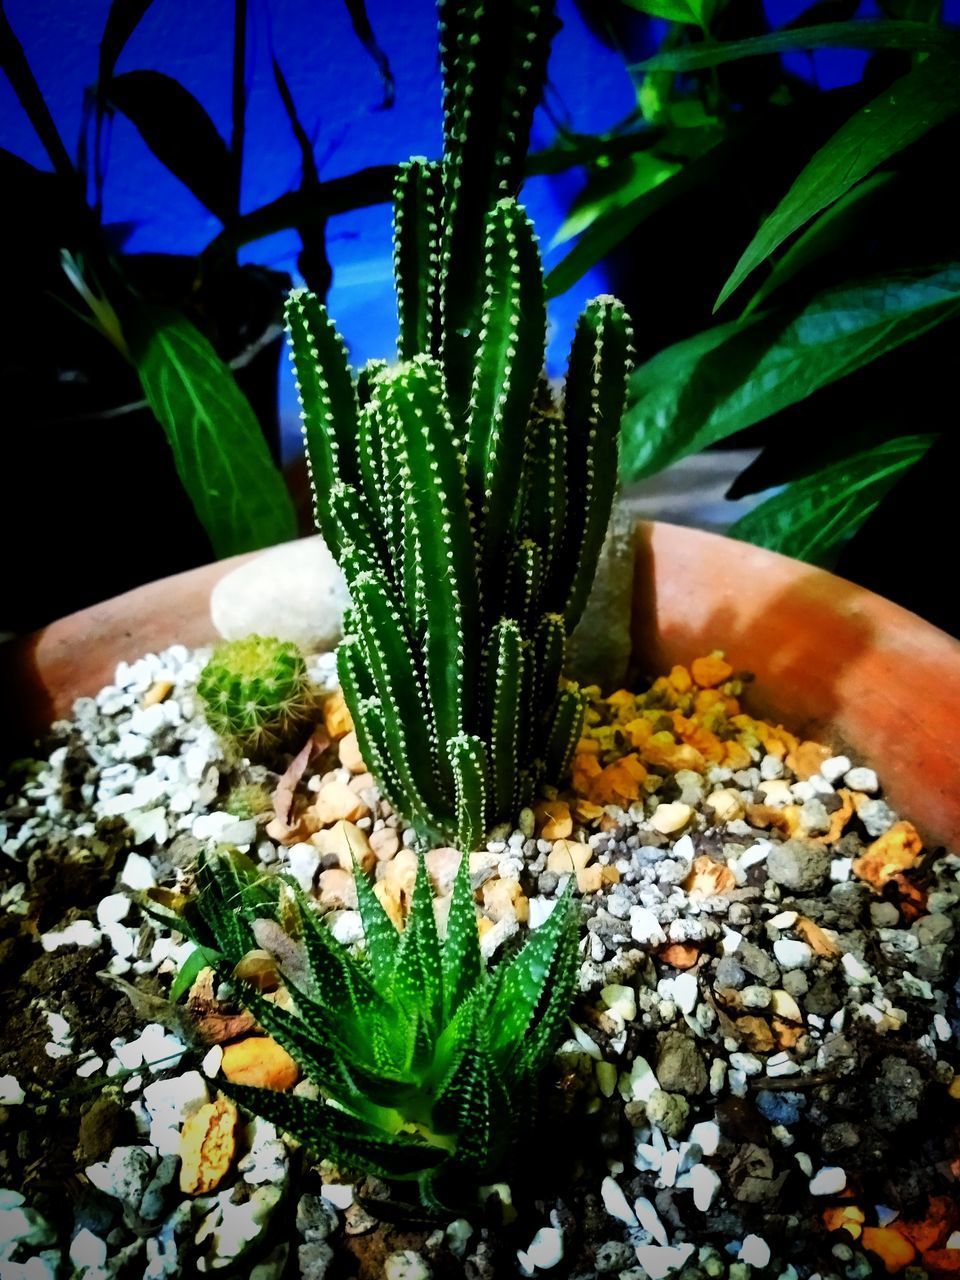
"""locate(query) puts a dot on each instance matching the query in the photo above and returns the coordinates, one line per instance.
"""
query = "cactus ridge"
(467, 506)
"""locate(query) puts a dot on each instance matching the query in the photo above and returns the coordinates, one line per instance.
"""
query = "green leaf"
(911, 107)
(462, 963)
(197, 959)
(422, 926)
(180, 134)
(613, 226)
(333, 1133)
(811, 517)
(380, 936)
(857, 34)
(219, 450)
(525, 980)
(706, 388)
(644, 172)
(697, 12)
(843, 219)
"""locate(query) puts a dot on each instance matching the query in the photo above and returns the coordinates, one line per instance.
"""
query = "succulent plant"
(430, 1059)
(466, 506)
(256, 692)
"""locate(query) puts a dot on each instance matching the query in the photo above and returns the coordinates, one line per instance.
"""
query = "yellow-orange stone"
(337, 801)
(896, 850)
(890, 1246)
(708, 878)
(710, 671)
(260, 1061)
(336, 718)
(557, 822)
(208, 1143)
(350, 756)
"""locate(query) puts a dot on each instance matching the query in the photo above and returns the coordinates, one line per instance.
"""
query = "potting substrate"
(761, 1075)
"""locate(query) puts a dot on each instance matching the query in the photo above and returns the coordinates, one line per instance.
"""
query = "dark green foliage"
(467, 508)
(430, 1058)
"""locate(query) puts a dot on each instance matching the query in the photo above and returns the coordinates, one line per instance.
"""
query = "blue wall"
(337, 89)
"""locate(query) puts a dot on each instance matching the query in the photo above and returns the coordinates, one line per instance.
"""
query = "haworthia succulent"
(467, 509)
(426, 1060)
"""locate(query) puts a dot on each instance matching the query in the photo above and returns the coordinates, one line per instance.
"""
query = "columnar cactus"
(467, 507)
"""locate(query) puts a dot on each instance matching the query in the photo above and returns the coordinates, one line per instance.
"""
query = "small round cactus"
(256, 693)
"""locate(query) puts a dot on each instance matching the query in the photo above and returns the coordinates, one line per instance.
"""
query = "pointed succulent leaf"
(468, 763)
(221, 879)
(328, 402)
(380, 935)
(542, 1036)
(416, 247)
(423, 924)
(508, 363)
(601, 358)
(335, 1134)
(462, 962)
(505, 680)
(524, 987)
(317, 1057)
(339, 984)
(436, 514)
(473, 1106)
(564, 732)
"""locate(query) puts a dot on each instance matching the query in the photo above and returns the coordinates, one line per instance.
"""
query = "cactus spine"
(467, 508)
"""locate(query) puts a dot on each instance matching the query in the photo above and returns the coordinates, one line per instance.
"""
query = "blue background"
(337, 90)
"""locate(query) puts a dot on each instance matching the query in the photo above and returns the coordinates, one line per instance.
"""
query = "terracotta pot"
(831, 660)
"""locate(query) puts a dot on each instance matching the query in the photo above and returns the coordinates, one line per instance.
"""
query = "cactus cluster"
(466, 504)
(430, 1058)
(256, 693)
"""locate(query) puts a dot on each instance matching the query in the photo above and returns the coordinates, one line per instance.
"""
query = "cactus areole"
(466, 506)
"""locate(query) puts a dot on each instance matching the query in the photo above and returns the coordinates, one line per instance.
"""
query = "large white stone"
(294, 591)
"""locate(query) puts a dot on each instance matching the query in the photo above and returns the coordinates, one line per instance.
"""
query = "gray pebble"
(729, 973)
(862, 780)
(759, 963)
(932, 929)
(814, 818)
(315, 1259)
(547, 884)
(618, 905)
(796, 983)
(877, 817)
(680, 1067)
(798, 864)
(770, 768)
(884, 915)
